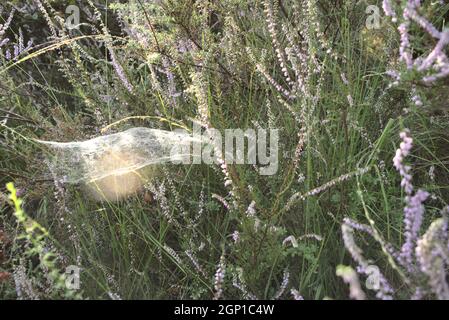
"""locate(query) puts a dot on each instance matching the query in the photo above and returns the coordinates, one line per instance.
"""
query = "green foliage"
(47, 272)
(214, 62)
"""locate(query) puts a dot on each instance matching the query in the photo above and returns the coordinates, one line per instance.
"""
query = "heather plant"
(413, 261)
(45, 280)
(339, 93)
(421, 261)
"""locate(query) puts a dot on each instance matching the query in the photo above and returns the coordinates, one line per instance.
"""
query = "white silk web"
(113, 165)
(115, 154)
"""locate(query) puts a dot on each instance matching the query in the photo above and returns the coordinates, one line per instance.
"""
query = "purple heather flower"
(292, 240)
(120, 72)
(431, 253)
(436, 63)
(394, 74)
(442, 74)
(358, 226)
(236, 236)
(350, 100)
(20, 192)
(410, 13)
(4, 42)
(416, 97)
(5, 26)
(417, 100)
(414, 209)
(405, 45)
(437, 51)
(386, 5)
(284, 284)
(344, 79)
(219, 278)
(413, 215)
(251, 211)
(404, 170)
(296, 295)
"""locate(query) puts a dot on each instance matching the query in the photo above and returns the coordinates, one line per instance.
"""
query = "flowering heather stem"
(350, 277)
(389, 11)
(219, 278)
(437, 51)
(413, 215)
(384, 291)
(404, 170)
(302, 196)
(435, 64)
(432, 254)
(120, 72)
(284, 284)
(271, 12)
(6, 25)
(296, 295)
(414, 209)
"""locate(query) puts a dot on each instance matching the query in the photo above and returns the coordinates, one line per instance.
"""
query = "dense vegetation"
(347, 97)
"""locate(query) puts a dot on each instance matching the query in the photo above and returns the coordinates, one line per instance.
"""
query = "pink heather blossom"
(296, 295)
(386, 5)
(358, 226)
(405, 45)
(4, 42)
(236, 236)
(344, 79)
(414, 209)
(394, 74)
(436, 62)
(417, 100)
(5, 26)
(350, 100)
(404, 170)
(120, 72)
(413, 215)
(442, 74)
(284, 285)
(437, 51)
(292, 240)
(251, 211)
(410, 13)
(219, 279)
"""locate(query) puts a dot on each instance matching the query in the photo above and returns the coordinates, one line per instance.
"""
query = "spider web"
(116, 154)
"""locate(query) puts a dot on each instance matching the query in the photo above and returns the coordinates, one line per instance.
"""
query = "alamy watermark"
(73, 19)
(72, 279)
(210, 147)
(373, 280)
(373, 19)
